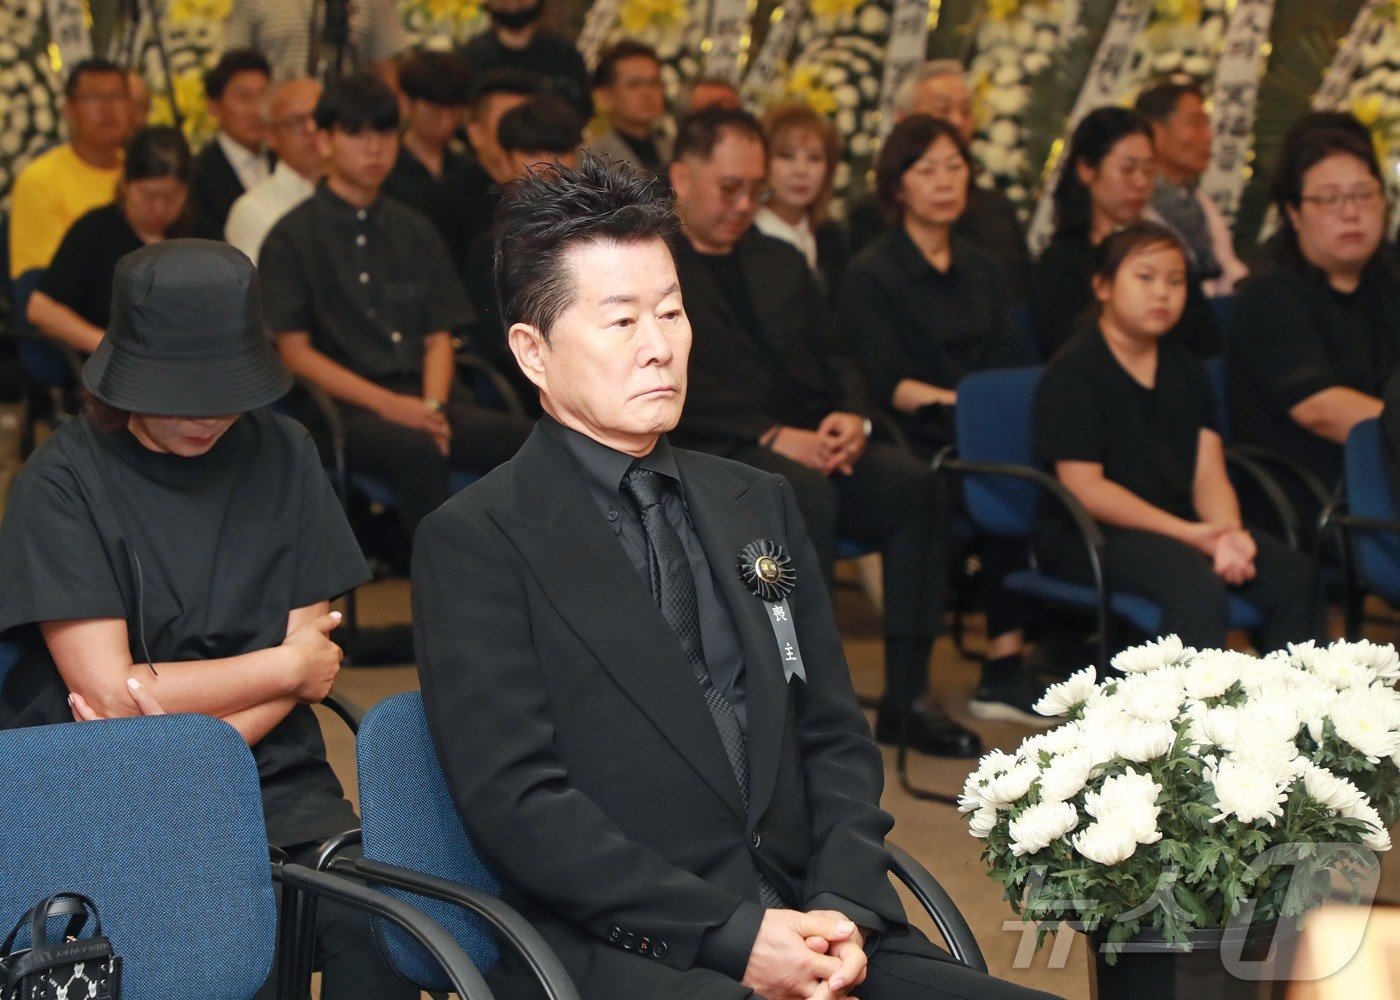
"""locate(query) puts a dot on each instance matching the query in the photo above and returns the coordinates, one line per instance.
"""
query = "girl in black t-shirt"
(1106, 183)
(176, 549)
(74, 296)
(1128, 423)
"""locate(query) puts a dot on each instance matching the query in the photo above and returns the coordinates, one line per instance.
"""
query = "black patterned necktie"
(673, 589)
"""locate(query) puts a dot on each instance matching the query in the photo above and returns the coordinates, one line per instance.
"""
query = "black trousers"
(888, 502)
(1182, 580)
(411, 462)
(352, 966)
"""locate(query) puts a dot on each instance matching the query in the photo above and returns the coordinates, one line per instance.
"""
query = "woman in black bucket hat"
(176, 548)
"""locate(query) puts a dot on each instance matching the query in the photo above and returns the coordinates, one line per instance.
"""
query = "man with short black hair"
(1182, 137)
(627, 86)
(517, 41)
(235, 159)
(664, 759)
(73, 178)
(773, 386)
(474, 185)
(542, 131)
(362, 298)
(434, 89)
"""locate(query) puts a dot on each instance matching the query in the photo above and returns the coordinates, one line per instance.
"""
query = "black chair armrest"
(510, 927)
(1271, 459)
(346, 708)
(467, 981)
(1267, 485)
(476, 363)
(887, 427)
(329, 415)
(939, 905)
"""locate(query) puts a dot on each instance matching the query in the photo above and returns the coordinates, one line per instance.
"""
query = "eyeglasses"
(733, 189)
(1337, 201)
(295, 123)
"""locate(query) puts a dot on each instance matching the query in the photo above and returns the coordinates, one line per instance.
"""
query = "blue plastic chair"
(1368, 519)
(414, 840)
(1002, 485)
(159, 820)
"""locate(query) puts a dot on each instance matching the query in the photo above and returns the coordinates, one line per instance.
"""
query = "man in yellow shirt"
(71, 179)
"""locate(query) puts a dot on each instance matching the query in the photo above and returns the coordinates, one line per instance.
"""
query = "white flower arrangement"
(1173, 791)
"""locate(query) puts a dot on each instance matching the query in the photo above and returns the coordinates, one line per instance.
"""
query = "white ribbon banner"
(729, 22)
(598, 22)
(905, 52)
(777, 49)
(1104, 85)
(69, 31)
(1233, 98)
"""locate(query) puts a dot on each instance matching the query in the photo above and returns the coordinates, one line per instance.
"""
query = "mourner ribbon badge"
(767, 571)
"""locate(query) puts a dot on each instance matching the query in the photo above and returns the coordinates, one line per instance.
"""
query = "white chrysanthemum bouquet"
(1198, 788)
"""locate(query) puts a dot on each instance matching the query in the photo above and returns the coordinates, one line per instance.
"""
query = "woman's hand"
(1234, 556)
(145, 702)
(317, 657)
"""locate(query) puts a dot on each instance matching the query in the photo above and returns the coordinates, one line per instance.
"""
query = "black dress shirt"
(80, 274)
(470, 197)
(413, 184)
(906, 319)
(1293, 335)
(368, 284)
(603, 470)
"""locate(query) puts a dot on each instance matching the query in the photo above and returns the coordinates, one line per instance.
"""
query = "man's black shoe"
(930, 731)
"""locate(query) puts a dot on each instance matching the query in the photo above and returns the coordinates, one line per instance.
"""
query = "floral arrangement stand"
(1195, 805)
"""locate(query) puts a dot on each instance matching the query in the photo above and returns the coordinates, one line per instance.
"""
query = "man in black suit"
(773, 386)
(665, 764)
(235, 159)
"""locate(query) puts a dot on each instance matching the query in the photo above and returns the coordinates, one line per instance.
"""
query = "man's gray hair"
(904, 96)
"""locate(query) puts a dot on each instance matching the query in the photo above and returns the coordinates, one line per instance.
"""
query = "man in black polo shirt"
(516, 41)
(434, 87)
(361, 295)
(770, 386)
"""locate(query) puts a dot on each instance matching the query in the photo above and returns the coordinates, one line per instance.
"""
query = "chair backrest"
(994, 416)
(408, 819)
(159, 820)
(1369, 495)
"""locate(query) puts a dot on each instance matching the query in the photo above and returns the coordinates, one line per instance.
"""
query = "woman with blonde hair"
(803, 152)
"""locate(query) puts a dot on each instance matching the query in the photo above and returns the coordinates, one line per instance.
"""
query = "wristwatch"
(433, 405)
(869, 426)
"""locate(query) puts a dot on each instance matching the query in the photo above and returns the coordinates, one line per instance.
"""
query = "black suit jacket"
(730, 402)
(578, 747)
(214, 187)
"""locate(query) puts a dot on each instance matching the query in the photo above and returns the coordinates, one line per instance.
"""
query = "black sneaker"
(930, 731)
(1010, 700)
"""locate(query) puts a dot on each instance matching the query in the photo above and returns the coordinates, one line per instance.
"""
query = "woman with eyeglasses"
(1315, 331)
(74, 297)
(1106, 184)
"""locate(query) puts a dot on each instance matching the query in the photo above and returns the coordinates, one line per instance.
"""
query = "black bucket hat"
(187, 337)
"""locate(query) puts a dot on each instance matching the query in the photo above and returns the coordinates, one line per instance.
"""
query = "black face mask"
(516, 19)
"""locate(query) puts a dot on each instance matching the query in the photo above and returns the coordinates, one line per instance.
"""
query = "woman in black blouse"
(176, 548)
(1315, 331)
(74, 296)
(923, 308)
(1126, 420)
(1106, 183)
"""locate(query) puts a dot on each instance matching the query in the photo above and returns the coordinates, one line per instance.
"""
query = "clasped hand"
(835, 446)
(806, 956)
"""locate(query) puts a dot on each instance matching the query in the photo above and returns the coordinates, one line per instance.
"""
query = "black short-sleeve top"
(1088, 408)
(1292, 335)
(80, 274)
(204, 557)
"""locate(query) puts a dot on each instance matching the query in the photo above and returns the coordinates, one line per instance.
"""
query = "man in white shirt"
(235, 160)
(292, 135)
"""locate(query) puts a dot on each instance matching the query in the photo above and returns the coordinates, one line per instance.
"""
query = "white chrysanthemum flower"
(1339, 668)
(1040, 826)
(1213, 672)
(1152, 697)
(1376, 837)
(1146, 741)
(1273, 716)
(1220, 727)
(1247, 792)
(1106, 843)
(1062, 698)
(1331, 791)
(1128, 799)
(981, 822)
(1065, 776)
(1365, 724)
(1164, 652)
(1009, 786)
(1382, 660)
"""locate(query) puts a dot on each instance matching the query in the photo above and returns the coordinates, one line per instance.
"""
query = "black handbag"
(74, 968)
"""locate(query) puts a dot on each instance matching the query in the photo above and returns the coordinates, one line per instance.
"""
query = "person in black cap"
(177, 547)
